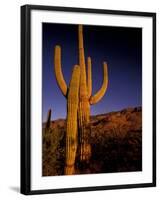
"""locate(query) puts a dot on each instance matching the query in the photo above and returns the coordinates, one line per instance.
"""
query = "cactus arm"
(98, 96)
(89, 79)
(58, 70)
(72, 107)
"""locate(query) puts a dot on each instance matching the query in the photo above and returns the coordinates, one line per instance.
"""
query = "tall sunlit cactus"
(85, 99)
(71, 133)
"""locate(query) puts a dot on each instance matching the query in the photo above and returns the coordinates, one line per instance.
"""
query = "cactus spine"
(84, 101)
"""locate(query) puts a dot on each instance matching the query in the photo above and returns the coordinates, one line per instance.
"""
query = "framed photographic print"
(88, 99)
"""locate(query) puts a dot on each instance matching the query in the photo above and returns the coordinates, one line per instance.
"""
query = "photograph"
(91, 99)
(88, 99)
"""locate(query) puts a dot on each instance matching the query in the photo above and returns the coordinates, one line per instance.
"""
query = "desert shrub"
(116, 152)
(53, 152)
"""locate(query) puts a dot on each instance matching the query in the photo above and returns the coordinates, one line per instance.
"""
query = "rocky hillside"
(116, 140)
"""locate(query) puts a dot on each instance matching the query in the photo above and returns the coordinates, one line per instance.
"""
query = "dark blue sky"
(120, 47)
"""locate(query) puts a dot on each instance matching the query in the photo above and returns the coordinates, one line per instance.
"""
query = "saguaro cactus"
(84, 98)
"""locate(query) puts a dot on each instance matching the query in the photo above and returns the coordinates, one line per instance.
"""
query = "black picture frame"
(26, 98)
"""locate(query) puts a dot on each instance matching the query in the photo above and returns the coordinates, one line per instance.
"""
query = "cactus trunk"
(71, 134)
(83, 121)
(84, 107)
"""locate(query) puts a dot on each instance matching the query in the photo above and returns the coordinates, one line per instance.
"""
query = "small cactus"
(48, 122)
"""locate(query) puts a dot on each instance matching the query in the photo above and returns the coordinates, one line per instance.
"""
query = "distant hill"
(115, 137)
(131, 118)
